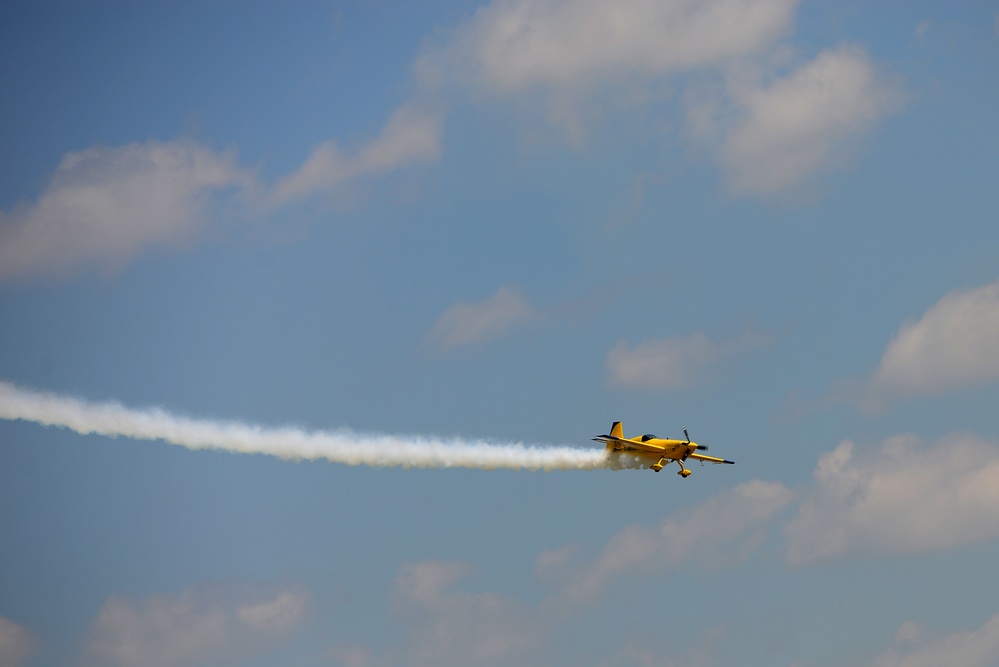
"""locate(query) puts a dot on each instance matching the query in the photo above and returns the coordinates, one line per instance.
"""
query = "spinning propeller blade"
(687, 435)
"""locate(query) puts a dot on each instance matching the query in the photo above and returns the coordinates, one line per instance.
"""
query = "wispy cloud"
(195, 627)
(774, 135)
(769, 131)
(103, 206)
(412, 135)
(279, 614)
(954, 344)
(898, 499)
(676, 362)
(470, 323)
(972, 648)
(520, 45)
(731, 522)
(903, 496)
(447, 626)
(16, 643)
(566, 55)
(921, 30)
(466, 627)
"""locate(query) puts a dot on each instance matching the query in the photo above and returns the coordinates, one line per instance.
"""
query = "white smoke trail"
(341, 446)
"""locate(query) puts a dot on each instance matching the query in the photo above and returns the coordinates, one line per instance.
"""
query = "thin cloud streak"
(973, 648)
(454, 627)
(730, 520)
(196, 627)
(447, 627)
(469, 323)
(341, 446)
(412, 135)
(675, 362)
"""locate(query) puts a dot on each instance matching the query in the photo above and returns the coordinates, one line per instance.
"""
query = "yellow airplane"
(661, 451)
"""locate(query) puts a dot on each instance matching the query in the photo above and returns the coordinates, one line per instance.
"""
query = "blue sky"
(768, 221)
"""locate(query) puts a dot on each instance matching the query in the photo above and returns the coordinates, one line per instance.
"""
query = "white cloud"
(468, 323)
(282, 613)
(166, 631)
(954, 344)
(577, 58)
(767, 137)
(900, 497)
(350, 655)
(425, 584)
(803, 122)
(512, 46)
(649, 651)
(16, 643)
(676, 362)
(191, 628)
(104, 205)
(975, 648)
(550, 563)
(412, 135)
(732, 522)
(449, 627)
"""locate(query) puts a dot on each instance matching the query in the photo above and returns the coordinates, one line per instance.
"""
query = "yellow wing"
(709, 459)
(627, 445)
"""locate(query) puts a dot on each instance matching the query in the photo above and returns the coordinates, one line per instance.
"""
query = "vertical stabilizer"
(617, 431)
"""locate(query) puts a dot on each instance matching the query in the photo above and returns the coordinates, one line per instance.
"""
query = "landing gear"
(658, 465)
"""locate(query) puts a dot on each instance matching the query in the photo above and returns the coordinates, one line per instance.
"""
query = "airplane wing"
(709, 459)
(625, 445)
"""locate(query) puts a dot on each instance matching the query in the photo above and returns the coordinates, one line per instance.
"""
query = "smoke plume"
(340, 446)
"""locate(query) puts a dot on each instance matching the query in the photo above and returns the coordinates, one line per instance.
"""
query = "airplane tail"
(616, 434)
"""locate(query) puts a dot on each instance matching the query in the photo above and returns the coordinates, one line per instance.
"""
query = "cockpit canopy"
(647, 437)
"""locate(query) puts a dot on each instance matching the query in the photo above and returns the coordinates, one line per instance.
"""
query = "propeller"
(687, 435)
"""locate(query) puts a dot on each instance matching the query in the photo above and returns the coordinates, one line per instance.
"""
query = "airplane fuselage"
(655, 447)
(657, 451)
